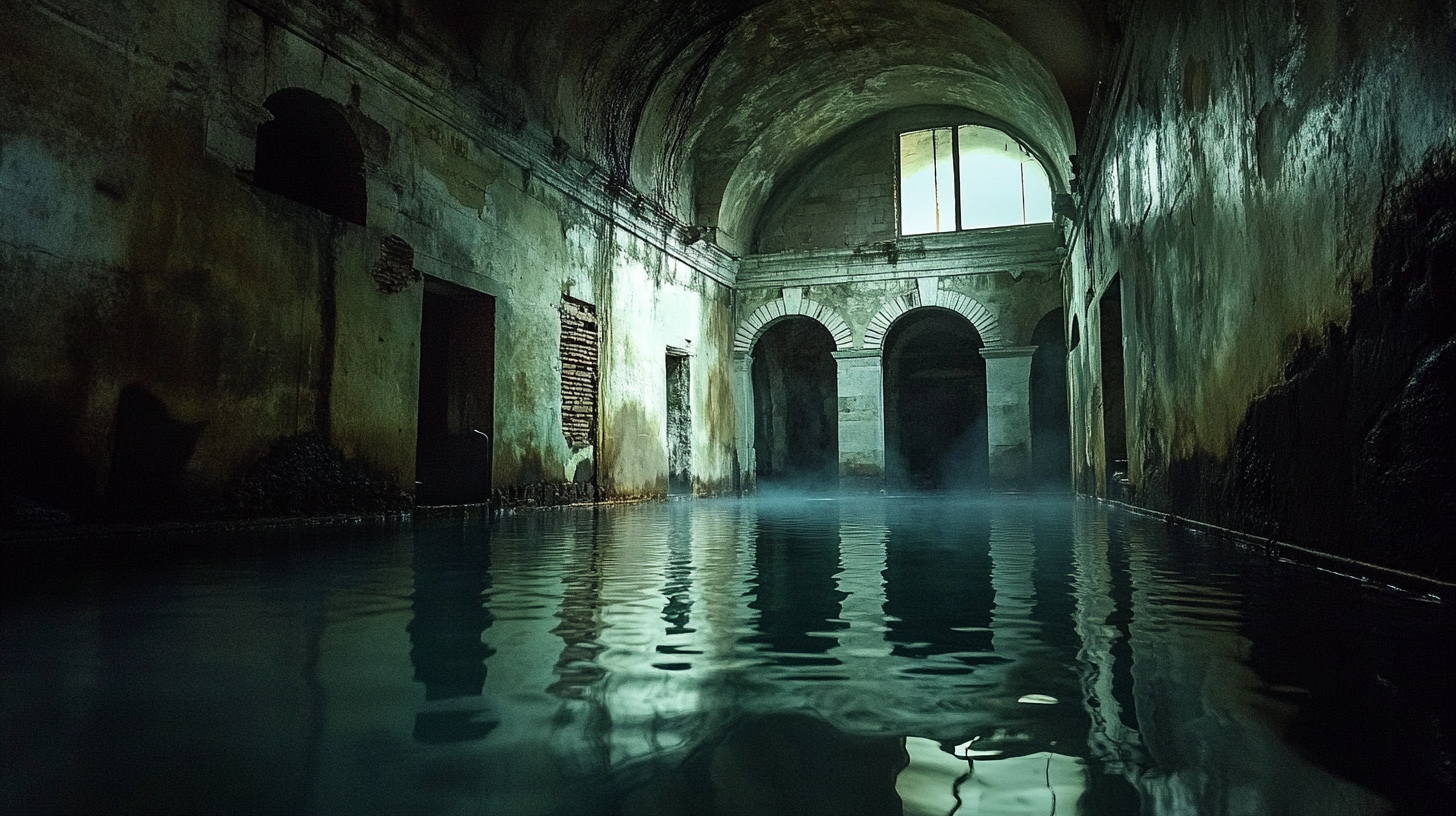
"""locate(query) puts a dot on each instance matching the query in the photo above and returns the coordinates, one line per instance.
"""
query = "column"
(743, 410)
(1008, 414)
(861, 418)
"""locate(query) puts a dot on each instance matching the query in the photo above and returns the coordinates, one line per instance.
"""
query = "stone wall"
(844, 199)
(138, 256)
(1269, 186)
(1002, 282)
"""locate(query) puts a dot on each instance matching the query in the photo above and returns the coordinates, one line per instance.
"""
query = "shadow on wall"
(1355, 453)
(149, 455)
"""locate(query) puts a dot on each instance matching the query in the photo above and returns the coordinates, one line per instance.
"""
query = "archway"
(1051, 426)
(935, 402)
(308, 153)
(1114, 399)
(795, 397)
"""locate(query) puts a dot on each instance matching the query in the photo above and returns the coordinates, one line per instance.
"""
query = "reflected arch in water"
(798, 601)
(1164, 671)
(930, 556)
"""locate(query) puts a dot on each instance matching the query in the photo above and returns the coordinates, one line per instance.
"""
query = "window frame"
(955, 136)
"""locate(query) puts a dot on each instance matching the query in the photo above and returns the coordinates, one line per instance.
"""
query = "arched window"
(309, 153)
(969, 177)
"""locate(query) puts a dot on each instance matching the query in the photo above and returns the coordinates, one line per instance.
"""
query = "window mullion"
(900, 185)
(955, 155)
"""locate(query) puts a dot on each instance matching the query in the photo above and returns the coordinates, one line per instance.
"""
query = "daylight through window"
(969, 177)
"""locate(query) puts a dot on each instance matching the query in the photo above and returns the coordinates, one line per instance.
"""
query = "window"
(969, 177)
(309, 153)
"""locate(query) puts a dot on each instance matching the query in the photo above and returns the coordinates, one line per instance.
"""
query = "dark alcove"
(308, 153)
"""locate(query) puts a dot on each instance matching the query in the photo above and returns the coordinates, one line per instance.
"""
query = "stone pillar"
(1008, 414)
(861, 419)
(743, 410)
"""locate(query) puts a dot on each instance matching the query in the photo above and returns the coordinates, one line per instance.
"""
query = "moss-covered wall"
(1269, 185)
(136, 251)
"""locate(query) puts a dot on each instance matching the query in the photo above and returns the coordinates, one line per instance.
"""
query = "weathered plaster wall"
(1272, 185)
(653, 303)
(135, 251)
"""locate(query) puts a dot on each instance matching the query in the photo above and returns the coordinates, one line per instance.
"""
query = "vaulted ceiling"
(706, 104)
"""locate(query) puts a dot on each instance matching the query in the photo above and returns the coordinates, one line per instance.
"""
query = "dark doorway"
(1051, 425)
(795, 402)
(457, 396)
(1114, 400)
(935, 402)
(309, 153)
(679, 426)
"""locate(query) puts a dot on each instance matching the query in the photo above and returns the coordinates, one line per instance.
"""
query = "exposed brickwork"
(579, 365)
(395, 269)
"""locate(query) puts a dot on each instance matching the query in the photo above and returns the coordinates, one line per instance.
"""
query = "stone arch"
(969, 308)
(790, 305)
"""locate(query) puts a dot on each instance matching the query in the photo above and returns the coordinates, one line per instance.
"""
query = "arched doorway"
(935, 402)
(1051, 426)
(795, 400)
(1114, 399)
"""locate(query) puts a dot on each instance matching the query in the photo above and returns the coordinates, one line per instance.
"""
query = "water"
(915, 655)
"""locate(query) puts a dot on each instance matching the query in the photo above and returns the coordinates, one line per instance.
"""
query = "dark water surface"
(868, 655)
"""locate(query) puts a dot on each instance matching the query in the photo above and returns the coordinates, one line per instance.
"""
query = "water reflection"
(580, 623)
(794, 591)
(938, 587)
(451, 577)
(906, 655)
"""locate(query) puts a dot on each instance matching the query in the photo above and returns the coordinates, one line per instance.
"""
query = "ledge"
(1016, 250)
(1421, 587)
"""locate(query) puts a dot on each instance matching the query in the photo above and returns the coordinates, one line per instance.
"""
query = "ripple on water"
(590, 661)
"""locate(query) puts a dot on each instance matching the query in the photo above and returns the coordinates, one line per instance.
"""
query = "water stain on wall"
(1353, 453)
(633, 460)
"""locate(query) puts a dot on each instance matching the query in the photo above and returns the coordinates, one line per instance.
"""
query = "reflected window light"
(969, 177)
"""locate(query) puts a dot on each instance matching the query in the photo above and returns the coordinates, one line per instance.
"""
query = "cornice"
(1017, 250)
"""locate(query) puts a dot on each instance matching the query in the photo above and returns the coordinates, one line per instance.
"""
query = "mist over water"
(802, 651)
